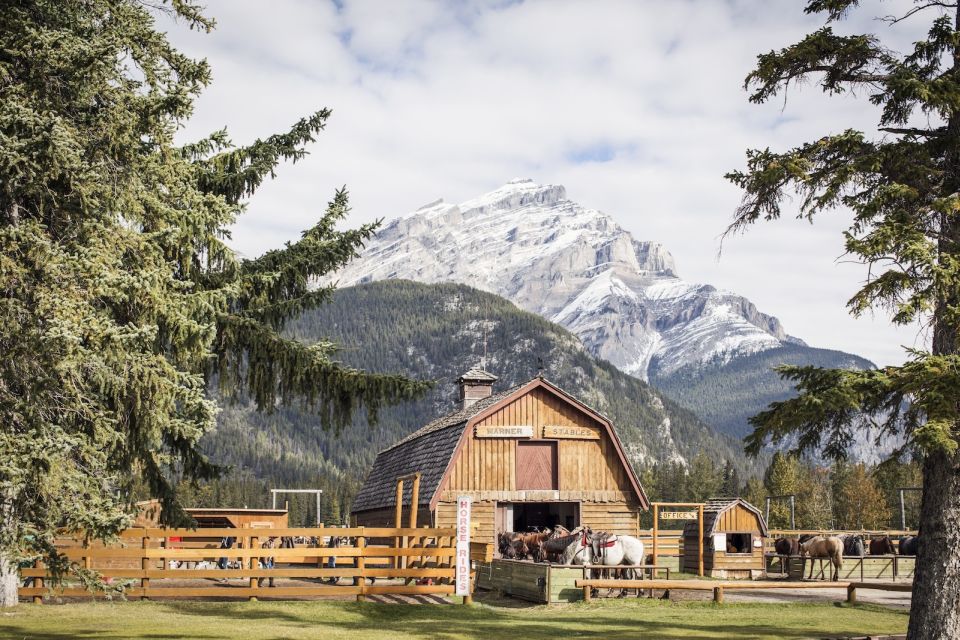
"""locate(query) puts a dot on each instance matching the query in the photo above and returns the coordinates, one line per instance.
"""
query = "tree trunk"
(9, 581)
(935, 607)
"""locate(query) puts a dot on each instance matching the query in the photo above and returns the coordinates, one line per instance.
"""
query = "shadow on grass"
(607, 620)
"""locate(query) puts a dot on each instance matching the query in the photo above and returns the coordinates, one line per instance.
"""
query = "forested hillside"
(436, 332)
(726, 394)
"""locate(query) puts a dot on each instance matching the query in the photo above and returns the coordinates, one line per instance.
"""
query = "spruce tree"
(902, 184)
(120, 299)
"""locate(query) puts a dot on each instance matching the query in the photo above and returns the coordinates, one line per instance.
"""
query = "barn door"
(536, 465)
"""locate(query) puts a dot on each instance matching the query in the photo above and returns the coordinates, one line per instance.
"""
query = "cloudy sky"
(636, 107)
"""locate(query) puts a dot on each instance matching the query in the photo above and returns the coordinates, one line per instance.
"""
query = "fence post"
(145, 566)
(586, 594)
(718, 595)
(253, 564)
(851, 593)
(38, 582)
(361, 565)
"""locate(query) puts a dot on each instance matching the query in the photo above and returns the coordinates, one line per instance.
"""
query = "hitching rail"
(719, 587)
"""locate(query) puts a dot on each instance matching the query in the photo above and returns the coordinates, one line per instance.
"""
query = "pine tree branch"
(913, 131)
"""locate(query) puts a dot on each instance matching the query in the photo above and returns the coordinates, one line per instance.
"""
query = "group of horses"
(834, 548)
(582, 546)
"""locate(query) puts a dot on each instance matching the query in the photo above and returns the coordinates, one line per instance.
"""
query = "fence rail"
(718, 588)
(419, 560)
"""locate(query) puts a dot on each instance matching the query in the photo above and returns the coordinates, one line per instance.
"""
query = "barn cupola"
(475, 384)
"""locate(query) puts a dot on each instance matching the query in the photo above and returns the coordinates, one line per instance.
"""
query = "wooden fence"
(718, 588)
(148, 563)
(866, 533)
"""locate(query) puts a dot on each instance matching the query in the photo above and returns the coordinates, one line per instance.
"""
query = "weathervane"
(539, 367)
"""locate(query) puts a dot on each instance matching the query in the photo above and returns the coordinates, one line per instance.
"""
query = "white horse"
(612, 550)
(609, 550)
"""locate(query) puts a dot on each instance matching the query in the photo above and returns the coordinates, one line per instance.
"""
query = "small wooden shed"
(733, 536)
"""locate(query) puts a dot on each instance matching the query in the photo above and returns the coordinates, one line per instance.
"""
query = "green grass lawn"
(632, 618)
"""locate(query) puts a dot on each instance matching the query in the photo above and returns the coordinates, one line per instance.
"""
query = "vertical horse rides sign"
(463, 545)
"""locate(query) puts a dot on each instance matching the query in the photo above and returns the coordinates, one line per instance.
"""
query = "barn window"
(739, 543)
(536, 465)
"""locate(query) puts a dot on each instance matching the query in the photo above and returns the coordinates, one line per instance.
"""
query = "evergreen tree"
(782, 478)
(755, 493)
(121, 302)
(859, 502)
(903, 187)
(814, 499)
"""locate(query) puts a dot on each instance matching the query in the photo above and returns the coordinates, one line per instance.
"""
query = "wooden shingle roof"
(712, 510)
(427, 450)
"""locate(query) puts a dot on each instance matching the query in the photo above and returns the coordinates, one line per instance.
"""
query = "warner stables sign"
(570, 432)
(557, 432)
(495, 431)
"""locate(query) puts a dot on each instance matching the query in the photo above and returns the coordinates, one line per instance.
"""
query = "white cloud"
(452, 99)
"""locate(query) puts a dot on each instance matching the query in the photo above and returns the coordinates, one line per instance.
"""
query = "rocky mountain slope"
(577, 267)
(437, 332)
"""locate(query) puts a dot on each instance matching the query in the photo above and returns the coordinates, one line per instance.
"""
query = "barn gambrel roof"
(432, 449)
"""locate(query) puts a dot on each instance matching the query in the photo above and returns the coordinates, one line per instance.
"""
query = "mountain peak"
(529, 243)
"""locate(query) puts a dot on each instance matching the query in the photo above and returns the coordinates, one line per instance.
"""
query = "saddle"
(602, 541)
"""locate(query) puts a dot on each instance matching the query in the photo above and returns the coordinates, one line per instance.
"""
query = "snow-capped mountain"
(575, 266)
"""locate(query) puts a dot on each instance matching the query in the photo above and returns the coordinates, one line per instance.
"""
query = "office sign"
(678, 515)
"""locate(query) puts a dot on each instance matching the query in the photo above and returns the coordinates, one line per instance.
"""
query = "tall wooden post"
(253, 564)
(398, 522)
(38, 582)
(700, 540)
(361, 564)
(414, 500)
(656, 511)
(145, 565)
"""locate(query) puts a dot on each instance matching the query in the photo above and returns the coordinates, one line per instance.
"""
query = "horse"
(578, 550)
(908, 545)
(786, 547)
(505, 544)
(823, 547)
(882, 546)
(853, 545)
(612, 550)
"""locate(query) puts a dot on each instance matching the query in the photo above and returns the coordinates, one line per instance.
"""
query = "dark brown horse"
(882, 546)
(786, 547)
(908, 545)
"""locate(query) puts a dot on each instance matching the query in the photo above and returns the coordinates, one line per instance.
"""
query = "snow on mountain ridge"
(576, 266)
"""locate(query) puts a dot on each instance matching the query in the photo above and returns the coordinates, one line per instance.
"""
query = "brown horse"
(882, 546)
(823, 547)
(786, 547)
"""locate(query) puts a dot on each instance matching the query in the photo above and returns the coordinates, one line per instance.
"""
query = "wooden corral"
(733, 540)
(158, 562)
(531, 456)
